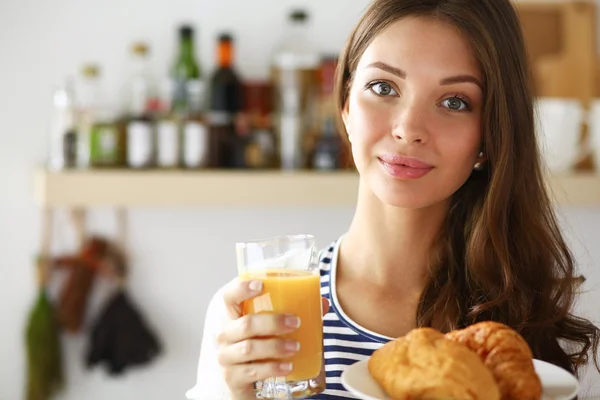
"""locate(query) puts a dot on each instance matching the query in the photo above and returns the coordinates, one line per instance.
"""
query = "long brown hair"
(502, 256)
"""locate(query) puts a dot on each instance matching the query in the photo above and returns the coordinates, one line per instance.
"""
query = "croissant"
(426, 365)
(506, 354)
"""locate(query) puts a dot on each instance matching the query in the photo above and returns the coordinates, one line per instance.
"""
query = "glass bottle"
(260, 145)
(295, 77)
(185, 68)
(141, 139)
(226, 92)
(107, 144)
(90, 100)
(168, 130)
(63, 133)
(140, 86)
(195, 130)
(140, 127)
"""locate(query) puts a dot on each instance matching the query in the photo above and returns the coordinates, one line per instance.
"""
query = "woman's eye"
(455, 104)
(383, 89)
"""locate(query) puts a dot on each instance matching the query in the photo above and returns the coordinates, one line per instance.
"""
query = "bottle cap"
(225, 37)
(186, 31)
(140, 48)
(299, 15)
(91, 70)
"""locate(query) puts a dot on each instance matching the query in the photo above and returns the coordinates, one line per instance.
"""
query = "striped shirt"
(345, 342)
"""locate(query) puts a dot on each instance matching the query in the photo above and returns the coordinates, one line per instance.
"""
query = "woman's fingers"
(237, 292)
(251, 350)
(258, 325)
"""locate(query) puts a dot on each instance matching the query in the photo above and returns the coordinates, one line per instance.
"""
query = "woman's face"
(413, 113)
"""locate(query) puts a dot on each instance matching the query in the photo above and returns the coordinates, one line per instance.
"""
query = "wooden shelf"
(126, 188)
(581, 189)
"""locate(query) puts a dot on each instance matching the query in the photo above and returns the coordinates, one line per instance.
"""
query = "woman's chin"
(403, 194)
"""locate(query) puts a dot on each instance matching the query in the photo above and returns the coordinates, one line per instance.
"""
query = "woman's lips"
(401, 167)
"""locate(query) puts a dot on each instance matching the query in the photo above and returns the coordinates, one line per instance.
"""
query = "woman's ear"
(346, 120)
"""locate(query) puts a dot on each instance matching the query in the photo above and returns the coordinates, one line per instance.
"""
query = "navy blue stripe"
(329, 397)
(335, 374)
(341, 336)
(334, 323)
(336, 386)
(339, 360)
(351, 350)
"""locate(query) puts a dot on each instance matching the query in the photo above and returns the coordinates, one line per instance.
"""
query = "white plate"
(557, 383)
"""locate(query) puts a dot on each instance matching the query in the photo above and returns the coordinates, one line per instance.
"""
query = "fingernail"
(285, 366)
(292, 345)
(291, 321)
(255, 286)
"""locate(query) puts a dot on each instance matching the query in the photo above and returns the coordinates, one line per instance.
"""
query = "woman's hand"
(250, 346)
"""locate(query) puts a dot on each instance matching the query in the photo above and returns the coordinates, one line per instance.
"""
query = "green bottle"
(186, 69)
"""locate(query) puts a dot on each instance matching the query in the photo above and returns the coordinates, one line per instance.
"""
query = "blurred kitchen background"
(144, 138)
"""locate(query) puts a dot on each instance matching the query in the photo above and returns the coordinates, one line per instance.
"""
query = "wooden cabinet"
(561, 41)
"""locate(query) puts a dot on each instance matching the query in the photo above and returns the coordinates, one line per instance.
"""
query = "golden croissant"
(507, 355)
(426, 365)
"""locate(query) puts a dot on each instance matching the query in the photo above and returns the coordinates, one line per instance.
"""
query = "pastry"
(507, 355)
(425, 365)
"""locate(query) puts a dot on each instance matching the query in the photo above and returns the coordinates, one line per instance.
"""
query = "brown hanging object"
(83, 268)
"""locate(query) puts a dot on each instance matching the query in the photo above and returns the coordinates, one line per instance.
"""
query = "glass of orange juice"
(289, 269)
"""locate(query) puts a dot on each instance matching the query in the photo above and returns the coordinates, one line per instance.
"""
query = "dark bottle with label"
(185, 69)
(226, 92)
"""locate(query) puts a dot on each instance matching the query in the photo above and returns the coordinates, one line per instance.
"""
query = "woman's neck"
(390, 246)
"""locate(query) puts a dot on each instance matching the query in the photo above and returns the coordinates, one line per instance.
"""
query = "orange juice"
(298, 293)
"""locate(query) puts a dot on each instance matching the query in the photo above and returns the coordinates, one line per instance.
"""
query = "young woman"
(453, 223)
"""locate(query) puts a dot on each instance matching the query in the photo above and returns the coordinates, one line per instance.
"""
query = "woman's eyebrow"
(463, 78)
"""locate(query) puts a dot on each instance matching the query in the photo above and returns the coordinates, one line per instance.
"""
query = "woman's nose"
(410, 125)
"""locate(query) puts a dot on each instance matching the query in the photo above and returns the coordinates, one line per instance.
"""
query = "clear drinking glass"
(289, 269)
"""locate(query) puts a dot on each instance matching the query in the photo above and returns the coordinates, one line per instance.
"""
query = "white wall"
(180, 257)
